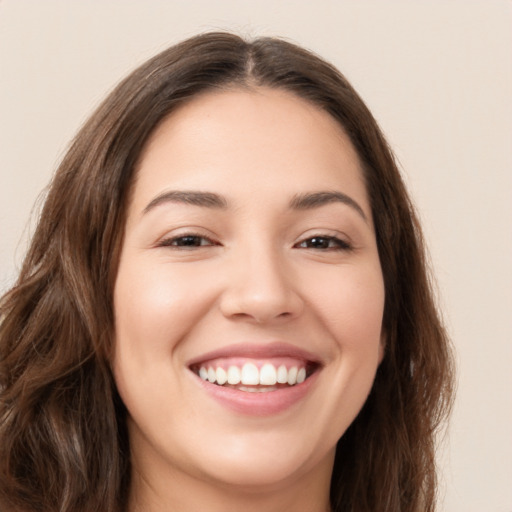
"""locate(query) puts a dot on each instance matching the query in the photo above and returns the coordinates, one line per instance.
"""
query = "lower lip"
(258, 403)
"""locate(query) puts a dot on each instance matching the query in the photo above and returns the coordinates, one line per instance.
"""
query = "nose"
(260, 287)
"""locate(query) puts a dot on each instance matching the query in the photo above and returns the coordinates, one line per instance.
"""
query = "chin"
(252, 465)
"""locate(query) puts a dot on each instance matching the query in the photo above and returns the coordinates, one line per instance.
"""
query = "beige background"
(438, 77)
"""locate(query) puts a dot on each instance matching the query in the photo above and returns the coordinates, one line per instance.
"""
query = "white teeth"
(234, 376)
(250, 374)
(292, 375)
(268, 375)
(282, 374)
(222, 376)
(212, 375)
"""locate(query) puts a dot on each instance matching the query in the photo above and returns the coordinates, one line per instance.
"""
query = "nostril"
(265, 318)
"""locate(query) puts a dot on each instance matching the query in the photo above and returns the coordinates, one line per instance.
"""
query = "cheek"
(351, 304)
(153, 313)
(351, 309)
(154, 306)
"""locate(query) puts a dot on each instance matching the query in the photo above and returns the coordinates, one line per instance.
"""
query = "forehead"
(256, 137)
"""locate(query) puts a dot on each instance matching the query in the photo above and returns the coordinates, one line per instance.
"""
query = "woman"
(225, 304)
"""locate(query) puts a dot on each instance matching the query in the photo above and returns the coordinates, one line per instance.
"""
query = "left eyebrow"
(312, 200)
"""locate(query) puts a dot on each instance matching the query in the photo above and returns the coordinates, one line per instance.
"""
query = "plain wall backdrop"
(438, 77)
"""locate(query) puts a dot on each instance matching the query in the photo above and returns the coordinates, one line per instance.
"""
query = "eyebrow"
(204, 199)
(312, 200)
(306, 201)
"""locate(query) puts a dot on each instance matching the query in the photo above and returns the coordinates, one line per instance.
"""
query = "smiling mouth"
(256, 376)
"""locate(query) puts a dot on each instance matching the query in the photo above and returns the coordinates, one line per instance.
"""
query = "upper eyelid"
(325, 233)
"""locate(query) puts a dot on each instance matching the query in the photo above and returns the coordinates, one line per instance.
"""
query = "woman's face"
(249, 253)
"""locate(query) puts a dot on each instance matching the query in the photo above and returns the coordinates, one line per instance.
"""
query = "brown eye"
(188, 241)
(323, 243)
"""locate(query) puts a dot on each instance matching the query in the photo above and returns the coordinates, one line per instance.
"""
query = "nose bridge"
(260, 284)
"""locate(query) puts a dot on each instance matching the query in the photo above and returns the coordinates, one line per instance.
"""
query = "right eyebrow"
(204, 199)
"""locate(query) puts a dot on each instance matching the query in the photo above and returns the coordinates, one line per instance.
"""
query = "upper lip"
(258, 351)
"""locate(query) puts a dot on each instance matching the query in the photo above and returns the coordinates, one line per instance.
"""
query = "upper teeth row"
(249, 374)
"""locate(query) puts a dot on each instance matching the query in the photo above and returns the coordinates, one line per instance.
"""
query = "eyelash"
(326, 242)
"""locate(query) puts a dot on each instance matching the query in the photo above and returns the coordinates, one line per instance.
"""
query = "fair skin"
(249, 239)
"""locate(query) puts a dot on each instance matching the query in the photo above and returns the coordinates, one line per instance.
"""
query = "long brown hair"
(63, 440)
